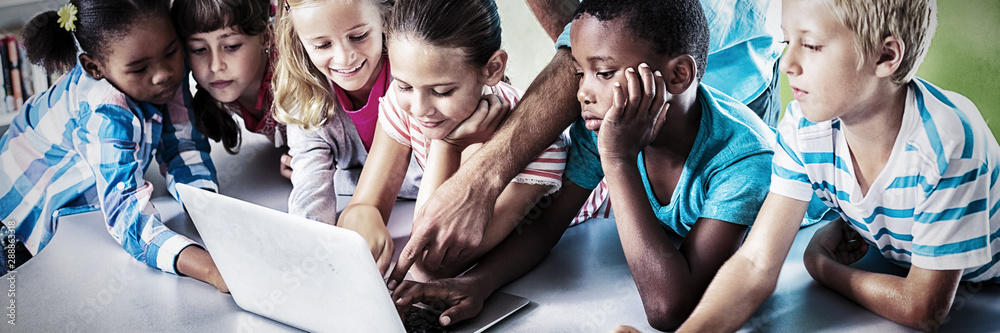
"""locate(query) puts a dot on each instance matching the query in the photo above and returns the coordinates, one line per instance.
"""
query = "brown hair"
(471, 25)
(197, 16)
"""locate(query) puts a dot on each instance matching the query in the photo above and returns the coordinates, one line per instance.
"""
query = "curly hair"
(98, 21)
(673, 27)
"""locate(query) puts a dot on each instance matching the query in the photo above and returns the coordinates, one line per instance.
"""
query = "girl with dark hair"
(446, 99)
(230, 51)
(85, 143)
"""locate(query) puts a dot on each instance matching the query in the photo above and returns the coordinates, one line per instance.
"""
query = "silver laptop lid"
(304, 273)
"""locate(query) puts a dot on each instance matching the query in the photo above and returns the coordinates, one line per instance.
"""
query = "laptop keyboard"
(422, 320)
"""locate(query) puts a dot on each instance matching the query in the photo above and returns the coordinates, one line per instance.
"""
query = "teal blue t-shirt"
(726, 176)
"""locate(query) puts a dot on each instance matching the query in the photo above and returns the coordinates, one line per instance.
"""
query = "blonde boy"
(911, 168)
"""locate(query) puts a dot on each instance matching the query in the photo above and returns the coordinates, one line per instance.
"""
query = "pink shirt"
(366, 117)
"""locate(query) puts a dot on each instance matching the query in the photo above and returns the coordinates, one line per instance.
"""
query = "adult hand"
(463, 298)
(630, 125)
(838, 241)
(367, 221)
(443, 231)
(483, 122)
(286, 165)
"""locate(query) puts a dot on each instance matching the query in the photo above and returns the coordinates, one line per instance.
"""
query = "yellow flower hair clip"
(67, 14)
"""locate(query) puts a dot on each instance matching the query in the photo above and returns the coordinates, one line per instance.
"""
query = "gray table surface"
(84, 281)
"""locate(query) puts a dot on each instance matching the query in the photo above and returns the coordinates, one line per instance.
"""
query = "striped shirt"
(546, 169)
(935, 203)
(83, 144)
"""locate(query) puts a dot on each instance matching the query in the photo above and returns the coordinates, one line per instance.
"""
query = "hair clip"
(287, 7)
(67, 15)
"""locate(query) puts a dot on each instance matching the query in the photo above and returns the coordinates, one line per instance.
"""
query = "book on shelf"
(20, 79)
(8, 81)
(3, 85)
(14, 58)
(27, 85)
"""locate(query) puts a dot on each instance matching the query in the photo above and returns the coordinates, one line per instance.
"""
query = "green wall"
(964, 56)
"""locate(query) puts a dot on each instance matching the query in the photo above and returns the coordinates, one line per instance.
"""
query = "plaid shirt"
(83, 144)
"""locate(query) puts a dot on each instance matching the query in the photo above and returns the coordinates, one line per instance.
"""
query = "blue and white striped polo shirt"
(935, 203)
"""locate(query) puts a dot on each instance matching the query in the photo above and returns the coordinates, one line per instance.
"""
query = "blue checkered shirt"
(84, 145)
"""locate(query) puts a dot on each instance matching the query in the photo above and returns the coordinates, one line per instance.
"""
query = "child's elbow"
(664, 322)
(926, 317)
(668, 317)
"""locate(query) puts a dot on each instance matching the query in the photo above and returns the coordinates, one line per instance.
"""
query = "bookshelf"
(13, 15)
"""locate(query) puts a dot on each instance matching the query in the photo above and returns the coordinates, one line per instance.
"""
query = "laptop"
(307, 274)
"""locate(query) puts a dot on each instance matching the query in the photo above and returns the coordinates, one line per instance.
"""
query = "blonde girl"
(327, 84)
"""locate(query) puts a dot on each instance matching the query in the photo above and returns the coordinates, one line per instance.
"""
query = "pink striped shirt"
(597, 205)
(546, 169)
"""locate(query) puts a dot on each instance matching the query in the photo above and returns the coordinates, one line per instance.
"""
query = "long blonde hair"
(302, 94)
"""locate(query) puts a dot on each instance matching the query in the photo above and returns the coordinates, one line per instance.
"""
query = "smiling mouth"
(430, 124)
(349, 70)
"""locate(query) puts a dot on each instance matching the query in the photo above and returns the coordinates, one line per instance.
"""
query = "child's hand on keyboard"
(461, 296)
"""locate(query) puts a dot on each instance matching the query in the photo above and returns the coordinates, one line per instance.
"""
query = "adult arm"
(553, 15)
(928, 294)
(455, 217)
(751, 275)
(370, 207)
(521, 251)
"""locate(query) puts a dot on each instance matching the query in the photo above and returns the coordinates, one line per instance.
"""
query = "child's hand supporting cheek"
(630, 125)
(479, 127)
(367, 221)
